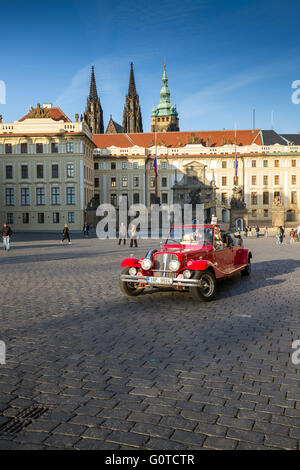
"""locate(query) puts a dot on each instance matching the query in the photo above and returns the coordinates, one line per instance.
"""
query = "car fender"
(244, 254)
(130, 262)
(198, 265)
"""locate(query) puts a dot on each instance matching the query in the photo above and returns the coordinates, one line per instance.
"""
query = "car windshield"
(191, 235)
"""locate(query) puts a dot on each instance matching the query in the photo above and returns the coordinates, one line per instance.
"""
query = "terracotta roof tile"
(178, 139)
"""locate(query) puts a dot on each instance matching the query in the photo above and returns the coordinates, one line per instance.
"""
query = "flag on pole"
(155, 165)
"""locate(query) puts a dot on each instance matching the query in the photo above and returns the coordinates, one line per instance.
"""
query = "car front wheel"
(247, 270)
(131, 289)
(206, 288)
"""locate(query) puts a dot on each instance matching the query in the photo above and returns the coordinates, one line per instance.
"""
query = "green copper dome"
(165, 107)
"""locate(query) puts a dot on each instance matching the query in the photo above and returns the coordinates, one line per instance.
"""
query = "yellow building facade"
(47, 171)
(124, 166)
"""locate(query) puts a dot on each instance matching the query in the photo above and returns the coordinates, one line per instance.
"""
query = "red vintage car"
(193, 258)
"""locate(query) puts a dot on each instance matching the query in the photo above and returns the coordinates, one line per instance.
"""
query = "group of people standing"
(132, 233)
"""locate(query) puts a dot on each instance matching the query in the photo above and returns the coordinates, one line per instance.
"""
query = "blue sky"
(223, 58)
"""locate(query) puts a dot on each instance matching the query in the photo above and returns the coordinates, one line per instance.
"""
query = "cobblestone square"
(158, 371)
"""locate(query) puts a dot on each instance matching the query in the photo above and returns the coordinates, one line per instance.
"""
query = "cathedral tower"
(93, 114)
(132, 116)
(164, 115)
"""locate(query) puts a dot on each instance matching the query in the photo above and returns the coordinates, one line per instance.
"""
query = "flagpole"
(156, 178)
(236, 165)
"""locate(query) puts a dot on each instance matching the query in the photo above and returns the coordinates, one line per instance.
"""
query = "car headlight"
(187, 274)
(174, 265)
(132, 271)
(146, 264)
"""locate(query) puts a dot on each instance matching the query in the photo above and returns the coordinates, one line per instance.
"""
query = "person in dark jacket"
(66, 234)
(6, 234)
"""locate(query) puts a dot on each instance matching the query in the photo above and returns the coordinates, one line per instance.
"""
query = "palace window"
(124, 165)
(96, 180)
(24, 172)
(55, 171)
(152, 182)
(24, 147)
(224, 180)
(253, 180)
(294, 179)
(70, 147)
(254, 199)
(113, 200)
(135, 165)
(10, 218)
(113, 182)
(163, 165)
(164, 198)
(113, 166)
(266, 213)
(293, 163)
(41, 217)
(265, 163)
(266, 180)
(55, 196)
(224, 164)
(164, 181)
(293, 197)
(55, 217)
(253, 163)
(96, 166)
(40, 196)
(9, 197)
(70, 195)
(39, 148)
(224, 197)
(276, 179)
(70, 170)
(276, 163)
(136, 181)
(136, 198)
(54, 147)
(8, 148)
(25, 217)
(25, 199)
(71, 217)
(9, 172)
(40, 171)
(254, 212)
(265, 197)
(124, 181)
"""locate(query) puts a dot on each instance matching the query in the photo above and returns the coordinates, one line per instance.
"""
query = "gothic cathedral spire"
(132, 116)
(93, 114)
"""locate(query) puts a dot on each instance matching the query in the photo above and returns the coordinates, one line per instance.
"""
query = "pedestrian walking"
(66, 234)
(86, 231)
(281, 234)
(133, 235)
(292, 236)
(246, 232)
(122, 233)
(298, 233)
(6, 235)
(257, 231)
(266, 232)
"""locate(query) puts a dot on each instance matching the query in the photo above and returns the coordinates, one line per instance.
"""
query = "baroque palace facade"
(47, 170)
(191, 163)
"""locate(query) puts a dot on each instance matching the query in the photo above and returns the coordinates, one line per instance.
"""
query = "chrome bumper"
(152, 281)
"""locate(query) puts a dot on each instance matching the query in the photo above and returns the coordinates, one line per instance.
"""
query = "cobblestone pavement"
(158, 371)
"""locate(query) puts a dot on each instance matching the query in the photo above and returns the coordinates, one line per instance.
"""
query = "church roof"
(179, 139)
(113, 127)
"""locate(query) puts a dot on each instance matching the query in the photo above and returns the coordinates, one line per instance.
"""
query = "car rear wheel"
(247, 270)
(207, 286)
(131, 289)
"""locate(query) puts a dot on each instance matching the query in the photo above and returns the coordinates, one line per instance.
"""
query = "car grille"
(161, 263)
